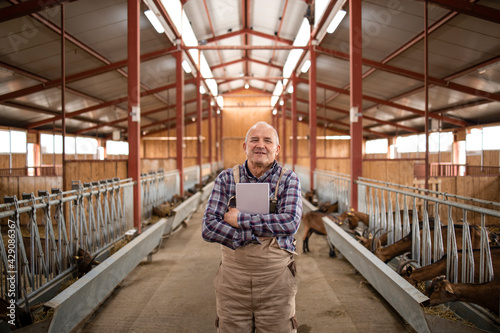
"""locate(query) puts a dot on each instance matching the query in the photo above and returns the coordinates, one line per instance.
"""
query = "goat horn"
(375, 239)
(402, 264)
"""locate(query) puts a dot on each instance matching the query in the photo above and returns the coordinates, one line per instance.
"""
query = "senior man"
(256, 285)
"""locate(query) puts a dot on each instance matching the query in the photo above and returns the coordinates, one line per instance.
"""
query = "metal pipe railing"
(89, 217)
(377, 200)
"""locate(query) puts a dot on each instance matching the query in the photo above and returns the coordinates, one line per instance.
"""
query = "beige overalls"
(255, 288)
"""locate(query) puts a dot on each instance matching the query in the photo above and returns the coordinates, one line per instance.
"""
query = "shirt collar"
(249, 175)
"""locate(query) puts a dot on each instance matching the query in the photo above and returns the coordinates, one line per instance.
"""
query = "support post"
(312, 111)
(199, 104)
(294, 121)
(356, 62)
(210, 134)
(63, 96)
(283, 139)
(134, 110)
(426, 85)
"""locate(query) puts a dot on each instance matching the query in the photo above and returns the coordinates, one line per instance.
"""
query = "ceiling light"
(300, 118)
(305, 66)
(336, 21)
(154, 21)
(290, 89)
(186, 67)
(193, 119)
(247, 86)
(274, 112)
(202, 90)
(281, 102)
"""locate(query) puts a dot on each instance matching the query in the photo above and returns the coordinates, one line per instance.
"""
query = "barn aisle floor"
(174, 293)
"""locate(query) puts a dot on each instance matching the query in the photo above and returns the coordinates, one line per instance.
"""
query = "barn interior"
(153, 98)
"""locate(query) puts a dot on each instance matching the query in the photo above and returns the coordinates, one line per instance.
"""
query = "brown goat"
(313, 223)
(483, 294)
(404, 245)
(84, 262)
(438, 268)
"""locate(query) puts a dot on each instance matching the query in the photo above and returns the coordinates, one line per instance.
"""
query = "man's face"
(261, 148)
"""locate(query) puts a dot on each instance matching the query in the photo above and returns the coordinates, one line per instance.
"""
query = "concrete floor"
(175, 293)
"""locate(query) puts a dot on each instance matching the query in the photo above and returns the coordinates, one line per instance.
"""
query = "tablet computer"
(252, 198)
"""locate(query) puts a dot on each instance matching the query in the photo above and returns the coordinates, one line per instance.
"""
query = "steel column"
(294, 121)
(426, 87)
(199, 103)
(63, 94)
(179, 100)
(210, 134)
(134, 111)
(312, 112)
(283, 138)
(356, 62)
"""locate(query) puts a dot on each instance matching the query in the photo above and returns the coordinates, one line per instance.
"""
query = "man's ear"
(244, 147)
(278, 150)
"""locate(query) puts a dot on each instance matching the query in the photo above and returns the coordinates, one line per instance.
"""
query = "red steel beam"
(470, 8)
(179, 98)
(250, 32)
(134, 118)
(454, 121)
(356, 97)
(28, 7)
(312, 113)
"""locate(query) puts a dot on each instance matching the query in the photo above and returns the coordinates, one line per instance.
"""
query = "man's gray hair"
(266, 124)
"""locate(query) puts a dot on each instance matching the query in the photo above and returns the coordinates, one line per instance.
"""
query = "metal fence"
(398, 210)
(42, 234)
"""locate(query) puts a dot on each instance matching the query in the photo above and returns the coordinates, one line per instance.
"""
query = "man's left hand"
(231, 217)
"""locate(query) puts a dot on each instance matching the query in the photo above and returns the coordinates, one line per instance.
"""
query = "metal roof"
(248, 41)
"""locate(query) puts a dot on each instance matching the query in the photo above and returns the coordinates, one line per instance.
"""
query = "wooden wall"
(237, 118)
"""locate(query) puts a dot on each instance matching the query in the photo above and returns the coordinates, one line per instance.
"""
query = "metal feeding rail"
(400, 210)
(91, 216)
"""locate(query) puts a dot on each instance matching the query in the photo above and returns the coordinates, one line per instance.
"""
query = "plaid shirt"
(282, 225)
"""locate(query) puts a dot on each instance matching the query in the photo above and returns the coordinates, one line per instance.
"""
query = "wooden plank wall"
(237, 118)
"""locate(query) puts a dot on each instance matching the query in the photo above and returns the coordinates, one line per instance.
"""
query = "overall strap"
(236, 173)
(283, 170)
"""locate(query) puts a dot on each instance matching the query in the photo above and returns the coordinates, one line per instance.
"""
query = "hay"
(45, 314)
(68, 283)
(117, 246)
(446, 313)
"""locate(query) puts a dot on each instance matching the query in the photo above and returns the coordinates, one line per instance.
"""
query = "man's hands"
(231, 217)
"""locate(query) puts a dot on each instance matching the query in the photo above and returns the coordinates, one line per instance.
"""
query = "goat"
(438, 268)
(328, 208)
(404, 245)
(313, 223)
(483, 294)
(84, 262)
(312, 197)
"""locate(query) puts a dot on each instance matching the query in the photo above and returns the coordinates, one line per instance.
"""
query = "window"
(18, 142)
(440, 141)
(379, 146)
(474, 140)
(4, 142)
(86, 146)
(491, 138)
(409, 144)
(116, 147)
(69, 145)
